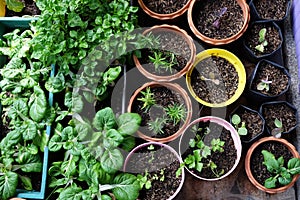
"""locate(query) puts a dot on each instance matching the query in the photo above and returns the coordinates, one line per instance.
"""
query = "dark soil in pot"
(272, 37)
(165, 6)
(214, 80)
(164, 97)
(283, 113)
(275, 10)
(224, 160)
(218, 19)
(259, 170)
(160, 163)
(268, 72)
(253, 123)
(29, 9)
(169, 43)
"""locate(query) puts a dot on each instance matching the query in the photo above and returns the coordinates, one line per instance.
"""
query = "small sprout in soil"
(278, 130)
(239, 125)
(262, 40)
(203, 151)
(146, 179)
(147, 99)
(264, 84)
(175, 112)
(219, 16)
(211, 78)
(281, 174)
(157, 125)
(163, 60)
(150, 147)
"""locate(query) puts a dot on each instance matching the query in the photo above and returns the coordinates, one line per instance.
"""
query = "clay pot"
(184, 142)
(248, 164)
(190, 61)
(133, 153)
(230, 57)
(212, 41)
(177, 89)
(164, 16)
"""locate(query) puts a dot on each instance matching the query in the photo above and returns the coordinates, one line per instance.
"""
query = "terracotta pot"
(185, 36)
(248, 164)
(246, 15)
(169, 148)
(230, 57)
(184, 140)
(259, 96)
(176, 88)
(164, 16)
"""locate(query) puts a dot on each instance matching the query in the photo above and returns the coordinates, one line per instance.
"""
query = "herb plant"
(264, 84)
(175, 112)
(163, 60)
(239, 124)
(14, 5)
(157, 125)
(281, 174)
(147, 99)
(262, 40)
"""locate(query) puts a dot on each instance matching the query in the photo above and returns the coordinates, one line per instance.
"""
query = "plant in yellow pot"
(217, 78)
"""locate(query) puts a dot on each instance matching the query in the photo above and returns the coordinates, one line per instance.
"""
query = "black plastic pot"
(257, 95)
(247, 140)
(253, 55)
(269, 122)
(256, 16)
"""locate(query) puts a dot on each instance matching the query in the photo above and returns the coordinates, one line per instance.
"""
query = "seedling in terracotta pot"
(176, 112)
(262, 40)
(163, 60)
(147, 99)
(280, 173)
(239, 125)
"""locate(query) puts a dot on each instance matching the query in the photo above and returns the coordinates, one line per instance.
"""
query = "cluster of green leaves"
(264, 84)
(201, 153)
(262, 40)
(281, 174)
(163, 60)
(26, 112)
(14, 5)
(239, 125)
(93, 157)
(146, 179)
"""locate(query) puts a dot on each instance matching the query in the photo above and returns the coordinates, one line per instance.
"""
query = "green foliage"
(262, 40)
(278, 128)
(147, 99)
(163, 60)
(93, 156)
(176, 112)
(157, 125)
(202, 151)
(239, 125)
(14, 5)
(281, 174)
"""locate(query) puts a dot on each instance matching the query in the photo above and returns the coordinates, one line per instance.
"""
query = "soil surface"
(161, 166)
(253, 123)
(164, 97)
(259, 170)
(272, 37)
(218, 19)
(29, 9)
(223, 160)
(214, 80)
(283, 113)
(165, 6)
(275, 10)
(267, 71)
(169, 43)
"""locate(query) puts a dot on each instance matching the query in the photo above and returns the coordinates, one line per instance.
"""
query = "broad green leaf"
(270, 182)
(72, 192)
(77, 103)
(18, 109)
(111, 160)
(128, 123)
(104, 119)
(128, 143)
(15, 5)
(8, 185)
(126, 187)
(236, 119)
(26, 182)
(29, 130)
(55, 143)
(83, 129)
(55, 84)
(39, 106)
(294, 166)
(31, 163)
(285, 178)
(57, 182)
(112, 139)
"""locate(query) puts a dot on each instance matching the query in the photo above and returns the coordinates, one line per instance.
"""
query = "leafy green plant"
(157, 125)
(202, 151)
(146, 179)
(278, 128)
(147, 99)
(14, 5)
(163, 60)
(264, 84)
(175, 112)
(239, 125)
(281, 174)
(93, 157)
(262, 40)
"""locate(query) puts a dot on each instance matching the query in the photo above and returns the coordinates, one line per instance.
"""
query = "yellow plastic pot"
(230, 57)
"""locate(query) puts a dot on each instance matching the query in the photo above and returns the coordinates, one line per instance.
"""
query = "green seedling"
(163, 60)
(239, 125)
(147, 99)
(262, 40)
(157, 125)
(175, 112)
(264, 84)
(279, 128)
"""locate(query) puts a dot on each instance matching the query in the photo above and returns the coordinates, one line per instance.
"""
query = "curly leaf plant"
(281, 174)
(93, 157)
(197, 159)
